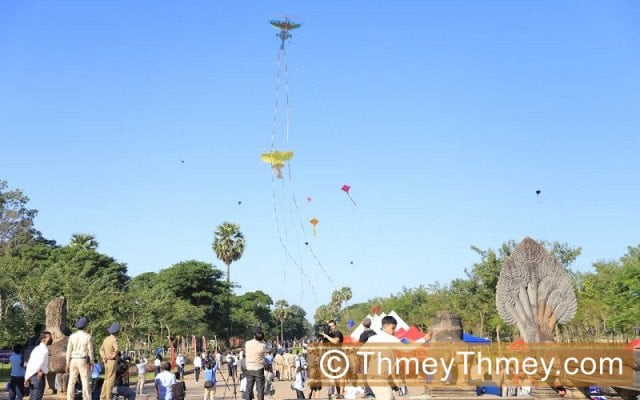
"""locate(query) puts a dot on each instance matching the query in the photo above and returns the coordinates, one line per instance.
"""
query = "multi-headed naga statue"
(535, 292)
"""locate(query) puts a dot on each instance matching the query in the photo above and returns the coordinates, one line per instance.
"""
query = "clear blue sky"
(445, 117)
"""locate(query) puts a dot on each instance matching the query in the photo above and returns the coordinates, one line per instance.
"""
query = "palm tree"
(228, 244)
(85, 241)
(281, 313)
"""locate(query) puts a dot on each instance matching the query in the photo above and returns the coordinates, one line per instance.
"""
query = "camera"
(122, 363)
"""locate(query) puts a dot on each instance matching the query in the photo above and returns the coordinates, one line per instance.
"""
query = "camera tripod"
(226, 387)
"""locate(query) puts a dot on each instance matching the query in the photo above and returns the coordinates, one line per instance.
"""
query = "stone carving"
(535, 292)
(446, 327)
(55, 317)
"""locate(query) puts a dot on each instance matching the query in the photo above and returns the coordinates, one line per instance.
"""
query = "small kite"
(309, 199)
(350, 323)
(538, 192)
(346, 188)
(376, 309)
(276, 159)
(285, 26)
(314, 222)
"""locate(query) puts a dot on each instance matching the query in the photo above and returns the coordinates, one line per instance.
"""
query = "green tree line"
(188, 298)
(608, 298)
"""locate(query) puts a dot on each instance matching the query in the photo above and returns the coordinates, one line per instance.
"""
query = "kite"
(276, 159)
(284, 26)
(309, 199)
(346, 188)
(538, 192)
(314, 222)
(376, 309)
(350, 323)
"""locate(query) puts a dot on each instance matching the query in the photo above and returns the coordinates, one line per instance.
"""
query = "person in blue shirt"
(16, 381)
(210, 370)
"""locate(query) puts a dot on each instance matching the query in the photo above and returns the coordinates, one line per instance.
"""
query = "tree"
(251, 310)
(198, 283)
(281, 313)
(296, 325)
(228, 244)
(84, 241)
(16, 220)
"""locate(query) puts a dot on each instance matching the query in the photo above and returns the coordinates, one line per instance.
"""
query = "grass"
(5, 373)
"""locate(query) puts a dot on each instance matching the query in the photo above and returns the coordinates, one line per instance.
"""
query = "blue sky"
(445, 117)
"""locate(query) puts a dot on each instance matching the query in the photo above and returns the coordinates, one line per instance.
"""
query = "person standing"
(298, 383)
(109, 354)
(254, 353)
(197, 366)
(141, 366)
(79, 359)
(16, 380)
(164, 383)
(157, 364)
(38, 367)
(210, 381)
(368, 332)
(380, 382)
(278, 359)
(335, 338)
(180, 363)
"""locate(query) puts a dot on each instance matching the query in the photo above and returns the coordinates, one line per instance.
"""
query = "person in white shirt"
(197, 366)
(38, 367)
(141, 365)
(180, 363)
(157, 364)
(79, 359)
(382, 391)
(298, 383)
(254, 353)
(164, 383)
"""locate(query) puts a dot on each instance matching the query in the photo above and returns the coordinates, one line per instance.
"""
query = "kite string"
(295, 203)
(293, 196)
(286, 85)
(273, 179)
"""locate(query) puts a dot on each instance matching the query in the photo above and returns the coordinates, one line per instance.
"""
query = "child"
(210, 380)
(298, 383)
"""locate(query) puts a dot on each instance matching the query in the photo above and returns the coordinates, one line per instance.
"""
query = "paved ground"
(224, 390)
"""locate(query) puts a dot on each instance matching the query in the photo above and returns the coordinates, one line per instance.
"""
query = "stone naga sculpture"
(55, 317)
(446, 327)
(534, 292)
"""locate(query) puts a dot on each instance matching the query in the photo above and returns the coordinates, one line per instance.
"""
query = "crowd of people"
(253, 368)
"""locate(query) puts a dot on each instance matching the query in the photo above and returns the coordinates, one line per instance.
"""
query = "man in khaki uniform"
(109, 354)
(79, 359)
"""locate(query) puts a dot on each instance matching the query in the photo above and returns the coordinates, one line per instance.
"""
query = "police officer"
(109, 354)
(79, 359)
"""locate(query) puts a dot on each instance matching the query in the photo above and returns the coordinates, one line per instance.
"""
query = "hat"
(114, 328)
(82, 323)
